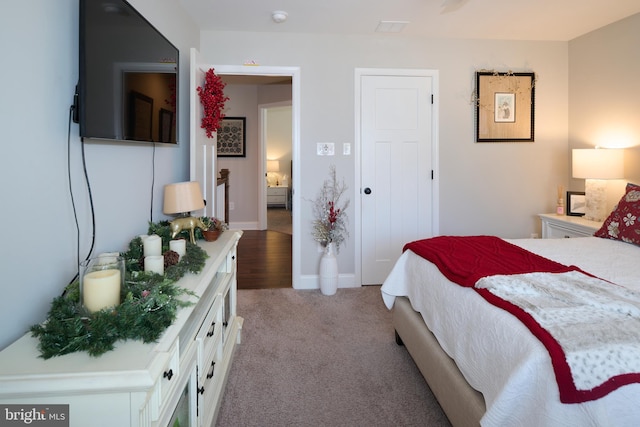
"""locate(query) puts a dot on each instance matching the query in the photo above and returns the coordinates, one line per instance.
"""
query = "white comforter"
(498, 355)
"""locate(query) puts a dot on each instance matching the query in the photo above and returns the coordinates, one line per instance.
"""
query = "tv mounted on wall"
(128, 77)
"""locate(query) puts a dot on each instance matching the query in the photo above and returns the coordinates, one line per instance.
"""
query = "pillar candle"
(152, 245)
(101, 289)
(179, 246)
(154, 263)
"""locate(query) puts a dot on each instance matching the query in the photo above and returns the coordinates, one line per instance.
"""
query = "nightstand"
(278, 196)
(564, 226)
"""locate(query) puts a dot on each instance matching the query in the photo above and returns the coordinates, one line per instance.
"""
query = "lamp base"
(596, 199)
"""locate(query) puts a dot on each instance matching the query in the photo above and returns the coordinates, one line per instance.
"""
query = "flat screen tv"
(127, 87)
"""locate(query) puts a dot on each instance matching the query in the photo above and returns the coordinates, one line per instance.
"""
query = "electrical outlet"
(232, 206)
(325, 148)
(346, 149)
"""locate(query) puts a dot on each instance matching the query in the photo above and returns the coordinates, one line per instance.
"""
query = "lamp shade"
(182, 197)
(273, 165)
(604, 163)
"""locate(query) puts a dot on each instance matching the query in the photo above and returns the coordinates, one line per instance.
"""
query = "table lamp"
(273, 166)
(181, 199)
(596, 166)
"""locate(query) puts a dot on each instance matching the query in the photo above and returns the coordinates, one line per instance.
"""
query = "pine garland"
(150, 303)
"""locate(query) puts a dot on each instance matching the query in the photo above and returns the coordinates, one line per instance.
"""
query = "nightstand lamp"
(181, 199)
(273, 167)
(596, 166)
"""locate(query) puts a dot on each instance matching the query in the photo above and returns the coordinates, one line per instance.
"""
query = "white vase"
(329, 271)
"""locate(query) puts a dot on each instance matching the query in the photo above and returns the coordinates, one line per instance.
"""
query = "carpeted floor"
(279, 219)
(312, 360)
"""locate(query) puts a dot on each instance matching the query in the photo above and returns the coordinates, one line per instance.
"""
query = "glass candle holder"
(101, 279)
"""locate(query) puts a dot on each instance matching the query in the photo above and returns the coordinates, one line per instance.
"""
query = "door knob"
(367, 190)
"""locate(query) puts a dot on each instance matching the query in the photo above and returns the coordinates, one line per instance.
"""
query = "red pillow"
(624, 222)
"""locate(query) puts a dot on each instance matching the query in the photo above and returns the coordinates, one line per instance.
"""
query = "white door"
(396, 168)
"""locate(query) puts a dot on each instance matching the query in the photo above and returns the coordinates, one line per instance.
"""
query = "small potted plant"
(214, 228)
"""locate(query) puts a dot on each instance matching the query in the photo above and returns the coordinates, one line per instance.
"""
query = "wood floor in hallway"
(264, 260)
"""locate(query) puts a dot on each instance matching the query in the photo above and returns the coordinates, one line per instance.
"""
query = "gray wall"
(485, 188)
(39, 73)
(244, 100)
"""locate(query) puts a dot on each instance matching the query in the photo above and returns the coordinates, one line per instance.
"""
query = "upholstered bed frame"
(463, 405)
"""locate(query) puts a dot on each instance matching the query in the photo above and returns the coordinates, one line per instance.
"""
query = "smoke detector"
(279, 16)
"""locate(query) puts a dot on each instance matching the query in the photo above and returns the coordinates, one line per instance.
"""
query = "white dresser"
(140, 385)
(565, 226)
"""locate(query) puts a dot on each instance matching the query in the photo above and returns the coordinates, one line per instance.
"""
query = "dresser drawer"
(170, 374)
(166, 385)
(557, 232)
(276, 200)
(560, 226)
(277, 191)
(209, 336)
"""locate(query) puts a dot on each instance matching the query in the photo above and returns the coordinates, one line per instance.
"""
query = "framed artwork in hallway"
(232, 137)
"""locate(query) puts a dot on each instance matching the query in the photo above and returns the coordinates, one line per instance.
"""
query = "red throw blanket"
(465, 260)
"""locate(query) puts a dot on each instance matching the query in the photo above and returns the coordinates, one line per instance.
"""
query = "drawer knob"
(210, 374)
(168, 374)
(211, 329)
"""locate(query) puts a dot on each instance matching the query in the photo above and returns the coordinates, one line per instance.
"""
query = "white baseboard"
(251, 225)
(312, 281)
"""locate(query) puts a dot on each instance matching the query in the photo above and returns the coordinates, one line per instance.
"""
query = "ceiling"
(560, 20)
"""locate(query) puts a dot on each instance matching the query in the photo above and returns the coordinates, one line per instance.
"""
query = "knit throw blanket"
(590, 327)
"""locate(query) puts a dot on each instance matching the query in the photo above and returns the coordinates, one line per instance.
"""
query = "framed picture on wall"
(505, 107)
(232, 137)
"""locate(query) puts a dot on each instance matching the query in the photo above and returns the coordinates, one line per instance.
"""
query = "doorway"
(275, 123)
(264, 74)
(397, 130)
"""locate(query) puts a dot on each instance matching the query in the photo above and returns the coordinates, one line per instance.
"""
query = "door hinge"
(431, 174)
(432, 98)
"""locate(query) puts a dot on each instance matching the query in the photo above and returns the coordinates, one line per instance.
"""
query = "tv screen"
(127, 88)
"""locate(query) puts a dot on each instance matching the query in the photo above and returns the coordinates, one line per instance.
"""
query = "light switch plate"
(325, 148)
(346, 149)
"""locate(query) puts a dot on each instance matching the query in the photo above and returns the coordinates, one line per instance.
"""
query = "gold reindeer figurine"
(186, 223)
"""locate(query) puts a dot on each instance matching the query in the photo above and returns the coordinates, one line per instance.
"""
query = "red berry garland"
(212, 98)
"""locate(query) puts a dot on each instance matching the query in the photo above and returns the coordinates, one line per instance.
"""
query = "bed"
(484, 365)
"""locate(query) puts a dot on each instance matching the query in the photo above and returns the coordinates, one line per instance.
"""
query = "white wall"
(485, 188)
(39, 40)
(604, 94)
